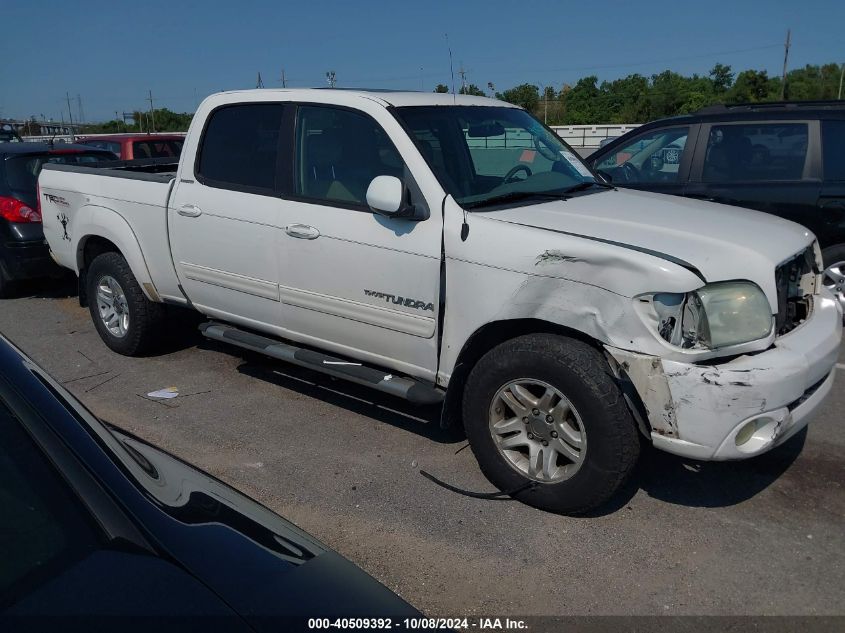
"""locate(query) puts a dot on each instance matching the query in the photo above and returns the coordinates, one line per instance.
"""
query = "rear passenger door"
(832, 198)
(771, 166)
(224, 215)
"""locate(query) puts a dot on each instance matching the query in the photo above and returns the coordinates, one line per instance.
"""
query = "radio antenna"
(451, 69)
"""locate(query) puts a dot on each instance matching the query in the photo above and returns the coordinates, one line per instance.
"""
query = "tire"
(141, 317)
(597, 417)
(834, 277)
(5, 284)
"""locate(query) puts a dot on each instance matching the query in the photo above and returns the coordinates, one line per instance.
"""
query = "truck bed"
(124, 202)
(149, 169)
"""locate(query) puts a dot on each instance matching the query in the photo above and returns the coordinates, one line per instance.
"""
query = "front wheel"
(543, 414)
(125, 319)
(834, 271)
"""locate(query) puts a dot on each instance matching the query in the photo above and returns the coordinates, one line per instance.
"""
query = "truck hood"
(717, 241)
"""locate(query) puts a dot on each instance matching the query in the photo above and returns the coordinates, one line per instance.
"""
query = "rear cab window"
(239, 148)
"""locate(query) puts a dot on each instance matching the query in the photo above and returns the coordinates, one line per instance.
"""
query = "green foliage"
(524, 95)
(441, 88)
(637, 99)
(472, 89)
(165, 121)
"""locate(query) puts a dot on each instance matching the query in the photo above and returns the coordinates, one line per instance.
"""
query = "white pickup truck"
(452, 248)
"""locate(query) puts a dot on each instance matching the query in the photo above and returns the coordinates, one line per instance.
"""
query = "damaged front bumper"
(745, 406)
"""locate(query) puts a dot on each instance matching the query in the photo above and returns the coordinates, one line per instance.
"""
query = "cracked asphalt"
(763, 536)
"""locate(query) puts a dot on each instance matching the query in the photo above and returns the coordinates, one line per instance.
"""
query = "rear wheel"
(544, 414)
(834, 271)
(125, 319)
(4, 282)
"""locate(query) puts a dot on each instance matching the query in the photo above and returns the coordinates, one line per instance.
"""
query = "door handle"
(189, 211)
(302, 231)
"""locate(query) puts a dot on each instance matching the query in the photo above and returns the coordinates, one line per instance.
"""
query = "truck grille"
(793, 303)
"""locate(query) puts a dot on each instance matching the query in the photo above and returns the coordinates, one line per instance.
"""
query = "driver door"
(655, 160)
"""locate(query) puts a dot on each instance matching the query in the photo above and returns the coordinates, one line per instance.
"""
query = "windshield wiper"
(512, 196)
(582, 186)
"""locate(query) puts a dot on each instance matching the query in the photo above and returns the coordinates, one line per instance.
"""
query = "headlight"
(717, 315)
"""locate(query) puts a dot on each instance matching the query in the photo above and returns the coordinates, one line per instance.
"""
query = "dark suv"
(787, 159)
(23, 250)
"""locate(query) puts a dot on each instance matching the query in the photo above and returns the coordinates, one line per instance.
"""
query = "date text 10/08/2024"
(482, 624)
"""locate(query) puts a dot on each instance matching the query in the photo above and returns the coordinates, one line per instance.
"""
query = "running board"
(407, 388)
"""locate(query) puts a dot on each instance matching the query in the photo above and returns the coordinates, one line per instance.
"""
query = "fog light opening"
(756, 434)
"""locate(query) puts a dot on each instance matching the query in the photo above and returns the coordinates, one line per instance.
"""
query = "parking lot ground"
(763, 536)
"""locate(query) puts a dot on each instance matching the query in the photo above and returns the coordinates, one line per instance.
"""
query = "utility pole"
(331, 78)
(284, 81)
(70, 115)
(785, 58)
(841, 75)
(152, 113)
(463, 74)
(259, 83)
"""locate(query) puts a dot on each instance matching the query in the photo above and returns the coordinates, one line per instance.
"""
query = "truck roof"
(387, 98)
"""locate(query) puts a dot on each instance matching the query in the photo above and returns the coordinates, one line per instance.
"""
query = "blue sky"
(112, 52)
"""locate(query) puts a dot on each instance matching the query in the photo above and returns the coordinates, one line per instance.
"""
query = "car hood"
(717, 241)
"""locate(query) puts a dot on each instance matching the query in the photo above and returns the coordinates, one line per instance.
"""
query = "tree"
(472, 89)
(750, 86)
(441, 88)
(523, 95)
(722, 78)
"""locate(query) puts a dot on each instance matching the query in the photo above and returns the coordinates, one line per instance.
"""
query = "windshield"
(484, 154)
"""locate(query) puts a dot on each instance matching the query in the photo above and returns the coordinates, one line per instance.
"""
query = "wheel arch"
(486, 338)
(106, 231)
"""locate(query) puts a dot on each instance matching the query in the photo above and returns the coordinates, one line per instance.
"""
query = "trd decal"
(49, 197)
(397, 300)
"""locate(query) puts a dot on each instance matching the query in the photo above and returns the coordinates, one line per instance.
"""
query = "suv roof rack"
(771, 105)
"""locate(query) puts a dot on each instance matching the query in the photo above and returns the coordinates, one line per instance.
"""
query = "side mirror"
(386, 196)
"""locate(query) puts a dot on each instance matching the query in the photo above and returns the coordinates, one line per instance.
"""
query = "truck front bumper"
(743, 407)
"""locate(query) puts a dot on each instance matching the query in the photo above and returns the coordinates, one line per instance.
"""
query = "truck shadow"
(692, 483)
(384, 408)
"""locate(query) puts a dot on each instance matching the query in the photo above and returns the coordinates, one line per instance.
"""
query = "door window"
(651, 157)
(833, 147)
(755, 152)
(339, 152)
(240, 146)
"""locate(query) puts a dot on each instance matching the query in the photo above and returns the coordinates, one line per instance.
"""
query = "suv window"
(339, 152)
(111, 146)
(22, 170)
(240, 146)
(833, 140)
(43, 528)
(652, 157)
(755, 152)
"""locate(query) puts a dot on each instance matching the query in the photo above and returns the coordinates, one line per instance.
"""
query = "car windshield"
(22, 171)
(485, 155)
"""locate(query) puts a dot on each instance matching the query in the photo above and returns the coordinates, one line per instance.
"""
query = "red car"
(135, 146)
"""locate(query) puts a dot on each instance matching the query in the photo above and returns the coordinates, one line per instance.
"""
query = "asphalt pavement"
(764, 536)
